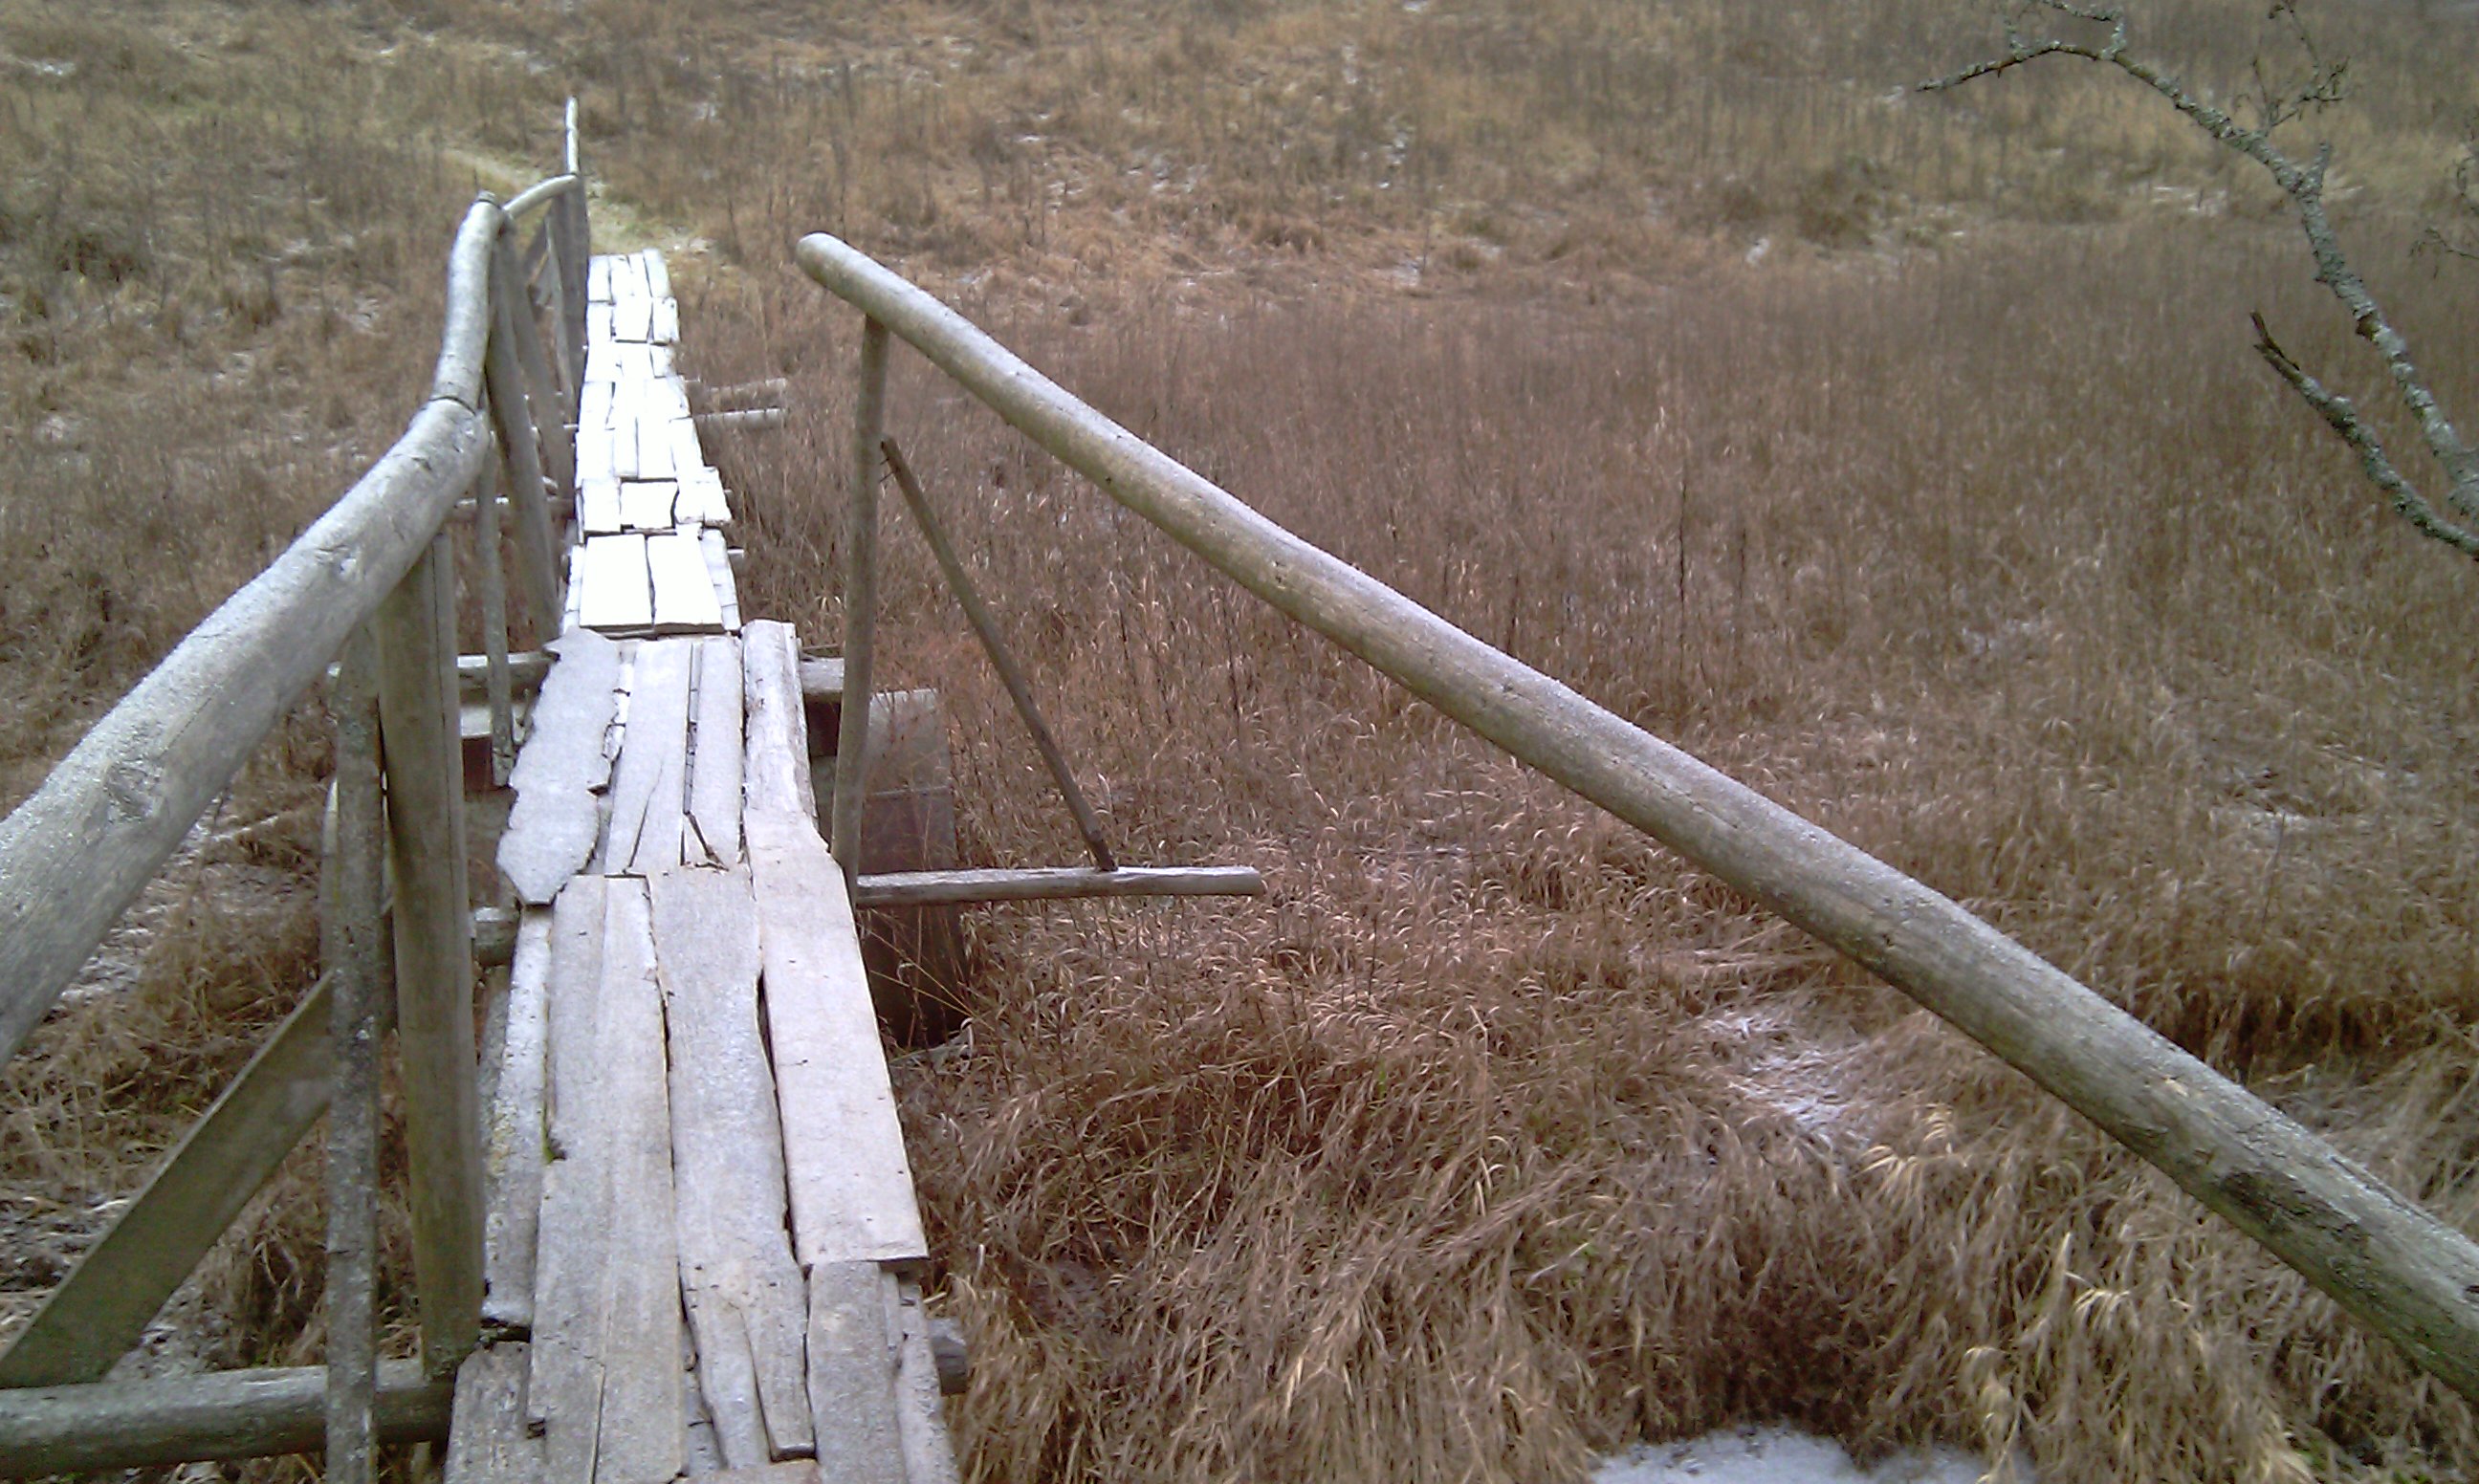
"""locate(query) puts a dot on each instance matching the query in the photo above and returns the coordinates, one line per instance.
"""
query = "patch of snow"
(1782, 1455)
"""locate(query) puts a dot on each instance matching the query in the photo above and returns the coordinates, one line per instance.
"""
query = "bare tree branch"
(2344, 421)
(2323, 84)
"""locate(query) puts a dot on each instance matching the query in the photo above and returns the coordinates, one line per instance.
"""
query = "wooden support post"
(860, 600)
(2413, 1278)
(985, 625)
(233, 1414)
(536, 552)
(434, 957)
(353, 894)
(495, 682)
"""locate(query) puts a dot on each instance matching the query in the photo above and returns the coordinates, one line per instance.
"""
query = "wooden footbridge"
(663, 1220)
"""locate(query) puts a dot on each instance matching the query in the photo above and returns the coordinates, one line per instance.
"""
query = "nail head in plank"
(843, 1144)
(556, 818)
(746, 1299)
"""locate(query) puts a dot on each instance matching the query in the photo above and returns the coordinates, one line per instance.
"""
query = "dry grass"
(1495, 1135)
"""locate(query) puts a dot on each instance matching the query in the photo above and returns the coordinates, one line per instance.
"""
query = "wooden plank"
(853, 1356)
(234, 1414)
(606, 1373)
(489, 1441)
(619, 596)
(653, 444)
(561, 769)
(596, 460)
(1050, 883)
(600, 506)
(687, 453)
(594, 409)
(715, 757)
(515, 1137)
(685, 596)
(650, 787)
(775, 772)
(632, 316)
(746, 1300)
(568, 1259)
(646, 504)
(718, 574)
(597, 281)
(920, 1414)
(701, 497)
(2405, 1272)
(665, 328)
(102, 1308)
(843, 1146)
(704, 1453)
(658, 275)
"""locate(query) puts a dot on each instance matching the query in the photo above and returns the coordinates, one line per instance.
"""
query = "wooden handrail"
(2407, 1275)
(540, 194)
(76, 854)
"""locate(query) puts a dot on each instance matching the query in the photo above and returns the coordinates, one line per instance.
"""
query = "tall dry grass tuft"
(1496, 1136)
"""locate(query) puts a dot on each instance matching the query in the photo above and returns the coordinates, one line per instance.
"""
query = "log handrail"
(2410, 1276)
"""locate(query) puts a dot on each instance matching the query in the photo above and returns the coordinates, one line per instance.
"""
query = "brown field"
(1960, 517)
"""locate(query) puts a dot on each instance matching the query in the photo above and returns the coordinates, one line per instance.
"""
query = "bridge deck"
(702, 1221)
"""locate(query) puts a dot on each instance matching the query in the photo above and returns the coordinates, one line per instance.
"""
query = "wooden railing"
(2407, 1275)
(370, 589)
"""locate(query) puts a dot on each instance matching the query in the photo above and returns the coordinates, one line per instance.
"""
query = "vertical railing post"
(554, 303)
(434, 959)
(505, 377)
(494, 625)
(513, 314)
(860, 602)
(353, 894)
(578, 244)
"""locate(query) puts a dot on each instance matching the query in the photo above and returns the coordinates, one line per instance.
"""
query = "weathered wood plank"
(650, 787)
(665, 328)
(102, 1308)
(568, 1261)
(606, 1378)
(594, 409)
(843, 1146)
(715, 757)
(923, 888)
(619, 595)
(684, 596)
(489, 1442)
(920, 1414)
(658, 275)
(854, 1357)
(600, 504)
(746, 1300)
(717, 575)
(775, 775)
(598, 283)
(233, 1414)
(646, 504)
(515, 1140)
(686, 452)
(556, 818)
(632, 316)
(653, 444)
